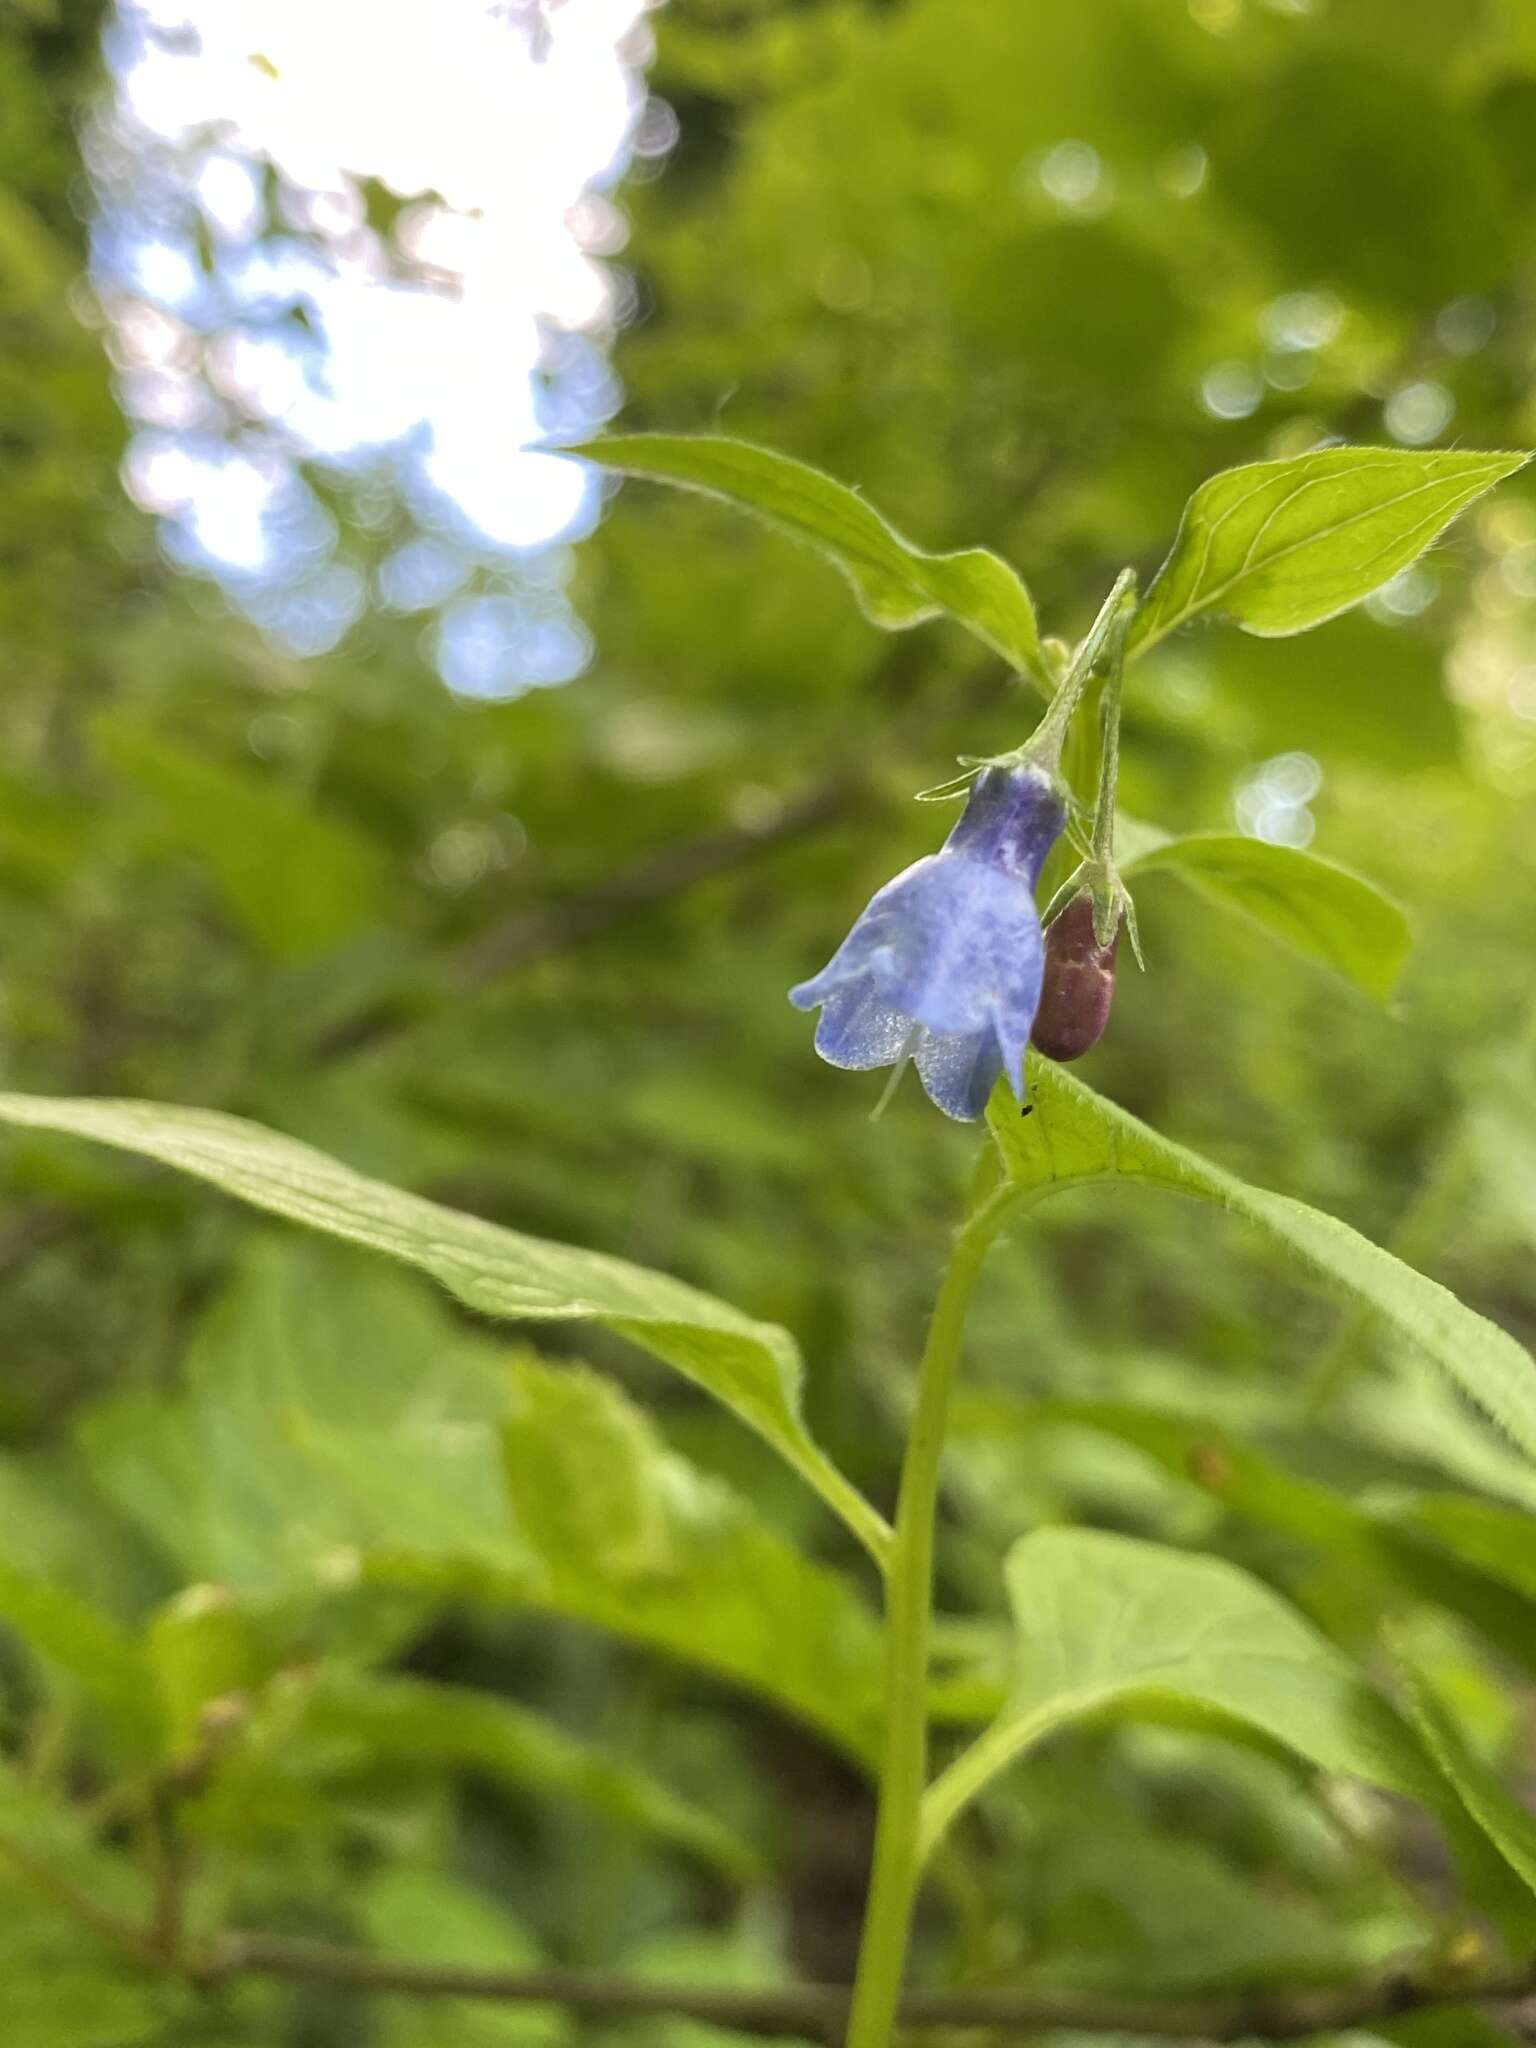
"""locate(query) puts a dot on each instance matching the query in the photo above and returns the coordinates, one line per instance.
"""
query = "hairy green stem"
(1045, 742)
(909, 1613)
(1109, 764)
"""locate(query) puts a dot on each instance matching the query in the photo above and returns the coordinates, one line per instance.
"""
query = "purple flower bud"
(944, 966)
(1079, 983)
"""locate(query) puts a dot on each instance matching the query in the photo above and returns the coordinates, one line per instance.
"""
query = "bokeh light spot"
(358, 253)
(1231, 391)
(1272, 803)
(1418, 413)
(1072, 173)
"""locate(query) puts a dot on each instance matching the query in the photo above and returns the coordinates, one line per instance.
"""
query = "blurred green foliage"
(1025, 276)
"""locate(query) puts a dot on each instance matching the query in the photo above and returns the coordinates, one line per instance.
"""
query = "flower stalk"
(1096, 876)
(1102, 645)
(909, 1606)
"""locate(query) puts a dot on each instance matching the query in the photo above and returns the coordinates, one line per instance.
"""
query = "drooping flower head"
(944, 965)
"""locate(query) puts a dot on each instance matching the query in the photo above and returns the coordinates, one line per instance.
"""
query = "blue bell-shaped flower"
(944, 966)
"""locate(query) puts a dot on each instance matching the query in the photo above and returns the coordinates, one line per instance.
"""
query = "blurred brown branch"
(1433, 1981)
(818, 2011)
(672, 870)
(531, 934)
(528, 935)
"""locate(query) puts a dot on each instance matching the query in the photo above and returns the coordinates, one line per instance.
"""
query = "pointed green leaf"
(1387, 1552)
(1076, 1137)
(1508, 1825)
(1280, 546)
(1105, 1621)
(895, 583)
(666, 1557)
(752, 1367)
(1321, 910)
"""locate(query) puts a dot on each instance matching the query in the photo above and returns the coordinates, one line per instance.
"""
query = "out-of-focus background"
(368, 770)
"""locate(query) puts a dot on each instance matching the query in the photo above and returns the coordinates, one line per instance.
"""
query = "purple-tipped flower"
(944, 966)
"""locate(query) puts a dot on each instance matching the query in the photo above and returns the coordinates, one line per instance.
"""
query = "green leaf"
(436, 1918)
(895, 583)
(1130, 1911)
(57, 1990)
(711, 1585)
(286, 1467)
(1326, 912)
(752, 1367)
(583, 1462)
(61, 1837)
(1280, 546)
(1105, 1621)
(1499, 1540)
(1076, 1138)
(77, 1639)
(296, 880)
(305, 1330)
(416, 1722)
(1420, 1421)
(1508, 1825)
(1388, 1553)
(60, 1985)
(1501, 1138)
(535, 1487)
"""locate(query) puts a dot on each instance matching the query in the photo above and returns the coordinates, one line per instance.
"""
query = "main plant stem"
(909, 1607)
